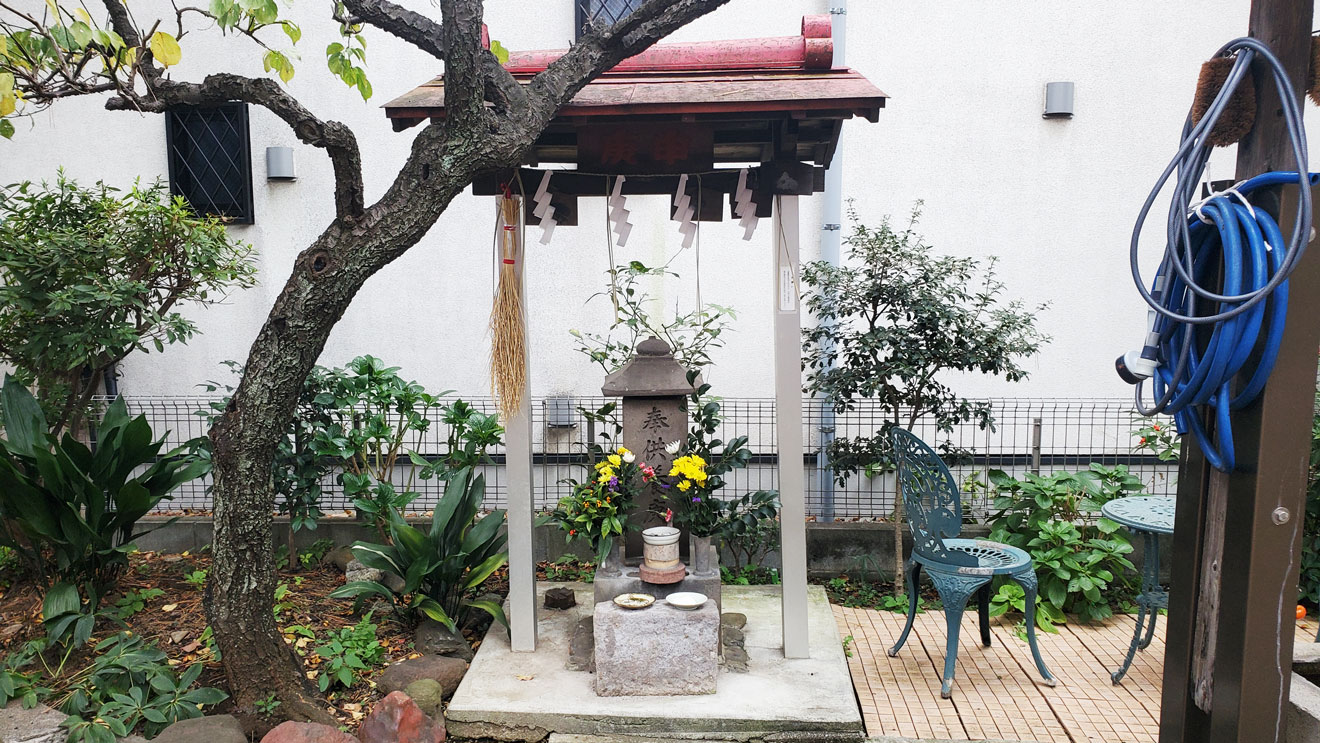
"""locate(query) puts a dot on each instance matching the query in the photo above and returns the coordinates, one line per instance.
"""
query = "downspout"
(831, 231)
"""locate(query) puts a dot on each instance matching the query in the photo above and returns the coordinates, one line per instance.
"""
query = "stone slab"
(41, 724)
(658, 650)
(605, 588)
(511, 696)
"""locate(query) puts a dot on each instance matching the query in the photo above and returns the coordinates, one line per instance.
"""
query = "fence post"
(1035, 445)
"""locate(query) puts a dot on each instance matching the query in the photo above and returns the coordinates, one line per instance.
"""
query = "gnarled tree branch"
(411, 26)
(335, 138)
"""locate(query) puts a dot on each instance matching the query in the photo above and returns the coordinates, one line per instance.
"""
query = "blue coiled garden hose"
(1227, 243)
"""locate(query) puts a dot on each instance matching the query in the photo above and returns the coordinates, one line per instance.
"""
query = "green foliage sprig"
(90, 275)
(1081, 561)
(690, 335)
(348, 654)
(1308, 587)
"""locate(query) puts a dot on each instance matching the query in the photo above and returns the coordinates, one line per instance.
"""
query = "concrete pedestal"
(657, 651)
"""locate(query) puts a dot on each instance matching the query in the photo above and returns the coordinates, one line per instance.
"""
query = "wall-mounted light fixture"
(279, 164)
(1058, 100)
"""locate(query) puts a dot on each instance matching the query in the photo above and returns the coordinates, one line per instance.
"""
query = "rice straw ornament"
(508, 325)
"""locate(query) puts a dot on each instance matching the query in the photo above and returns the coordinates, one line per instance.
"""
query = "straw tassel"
(1313, 81)
(1238, 115)
(508, 353)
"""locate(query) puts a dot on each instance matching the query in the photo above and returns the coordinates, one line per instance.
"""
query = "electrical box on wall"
(1058, 100)
(279, 164)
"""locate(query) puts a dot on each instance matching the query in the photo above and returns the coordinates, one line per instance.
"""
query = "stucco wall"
(1054, 199)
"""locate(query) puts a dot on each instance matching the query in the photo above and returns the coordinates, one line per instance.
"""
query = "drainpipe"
(831, 231)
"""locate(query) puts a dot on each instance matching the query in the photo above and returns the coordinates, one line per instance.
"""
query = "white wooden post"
(518, 470)
(788, 428)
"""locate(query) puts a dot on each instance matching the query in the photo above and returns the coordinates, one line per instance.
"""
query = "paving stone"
(659, 650)
(445, 671)
(212, 729)
(434, 638)
(733, 619)
(41, 724)
(735, 660)
(560, 598)
(307, 732)
(732, 637)
(582, 648)
(398, 719)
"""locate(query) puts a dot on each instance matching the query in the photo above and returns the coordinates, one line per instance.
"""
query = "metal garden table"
(1147, 516)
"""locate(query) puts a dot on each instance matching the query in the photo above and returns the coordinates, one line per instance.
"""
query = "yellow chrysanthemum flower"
(615, 460)
(685, 485)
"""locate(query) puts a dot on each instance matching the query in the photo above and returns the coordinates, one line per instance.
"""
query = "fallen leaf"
(521, 677)
(169, 607)
(178, 637)
(192, 647)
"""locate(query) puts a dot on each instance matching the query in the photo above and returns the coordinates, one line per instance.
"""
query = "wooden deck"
(998, 694)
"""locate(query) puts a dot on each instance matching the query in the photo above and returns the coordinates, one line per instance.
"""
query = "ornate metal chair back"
(931, 500)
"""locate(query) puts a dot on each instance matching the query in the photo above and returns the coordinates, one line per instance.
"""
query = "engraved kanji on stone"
(655, 420)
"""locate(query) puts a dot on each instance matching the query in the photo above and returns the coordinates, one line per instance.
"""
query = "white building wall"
(1054, 199)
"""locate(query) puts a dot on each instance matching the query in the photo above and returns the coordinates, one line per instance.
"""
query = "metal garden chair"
(957, 567)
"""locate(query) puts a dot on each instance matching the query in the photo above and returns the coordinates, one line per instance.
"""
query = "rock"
(560, 598)
(212, 729)
(392, 582)
(41, 724)
(657, 651)
(582, 648)
(434, 638)
(446, 671)
(733, 637)
(733, 619)
(307, 732)
(398, 719)
(429, 695)
(356, 571)
(735, 660)
(340, 557)
(133, 739)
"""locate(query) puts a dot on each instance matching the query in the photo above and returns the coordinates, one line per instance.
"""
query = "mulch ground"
(175, 621)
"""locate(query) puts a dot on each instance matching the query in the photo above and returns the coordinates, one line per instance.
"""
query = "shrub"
(90, 275)
(71, 512)
(1081, 562)
(443, 568)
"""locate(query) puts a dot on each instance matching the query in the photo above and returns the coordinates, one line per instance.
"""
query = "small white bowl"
(686, 600)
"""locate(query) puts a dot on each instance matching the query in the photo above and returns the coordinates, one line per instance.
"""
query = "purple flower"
(664, 485)
(614, 483)
(696, 499)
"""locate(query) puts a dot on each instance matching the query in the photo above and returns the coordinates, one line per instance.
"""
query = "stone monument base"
(662, 576)
(656, 651)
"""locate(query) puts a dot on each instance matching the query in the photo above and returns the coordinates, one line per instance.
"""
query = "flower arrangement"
(598, 508)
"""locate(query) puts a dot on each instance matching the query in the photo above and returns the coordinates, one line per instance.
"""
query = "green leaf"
(25, 426)
(165, 49)
(499, 51)
(6, 129)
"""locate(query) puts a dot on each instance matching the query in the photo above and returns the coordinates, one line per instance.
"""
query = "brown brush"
(508, 354)
(1313, 80)
(1238, 116)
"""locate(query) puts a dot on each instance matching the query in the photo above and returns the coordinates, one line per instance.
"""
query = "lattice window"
(210, 159)
(606, 12)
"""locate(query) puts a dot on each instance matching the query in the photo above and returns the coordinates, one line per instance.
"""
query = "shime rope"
(508, 352)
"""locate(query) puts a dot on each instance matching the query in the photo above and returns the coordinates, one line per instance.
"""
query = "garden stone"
(41, 724)
(582, 647)
(429, 695)
(392, 582)
(560, 598)
(734, 637)
(340, 557)
(138, 739)
(398, 719)
(733, 619)
(445, 671)
(735, 659)
(434, 638)
(659, 650)
(212, 729)
(307, 732)
(356, 571)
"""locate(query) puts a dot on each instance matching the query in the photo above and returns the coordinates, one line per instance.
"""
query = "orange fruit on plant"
(1301, 612)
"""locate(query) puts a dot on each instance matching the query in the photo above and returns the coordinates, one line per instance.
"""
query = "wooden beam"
(787, 178)
(1237, 536)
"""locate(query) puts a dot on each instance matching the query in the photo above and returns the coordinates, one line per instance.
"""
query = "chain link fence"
(1042, 435)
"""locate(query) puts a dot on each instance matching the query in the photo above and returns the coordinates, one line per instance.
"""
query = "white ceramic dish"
(634, 600)
(686, 600)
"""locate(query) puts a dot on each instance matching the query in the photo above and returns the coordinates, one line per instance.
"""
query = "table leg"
(1150, 582)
